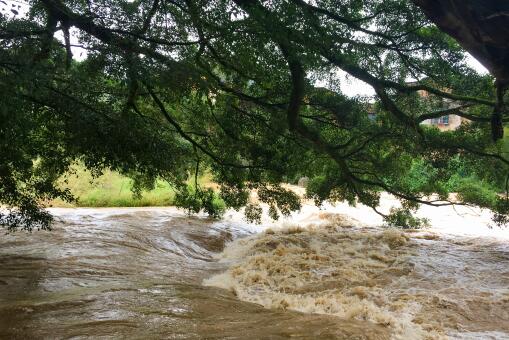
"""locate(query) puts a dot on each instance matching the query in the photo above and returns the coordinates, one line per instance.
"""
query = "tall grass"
(110, 190)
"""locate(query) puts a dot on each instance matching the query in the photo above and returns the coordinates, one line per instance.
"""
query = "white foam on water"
(323, 270)
(417, 284)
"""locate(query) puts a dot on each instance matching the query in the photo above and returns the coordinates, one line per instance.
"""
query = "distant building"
(444, 123)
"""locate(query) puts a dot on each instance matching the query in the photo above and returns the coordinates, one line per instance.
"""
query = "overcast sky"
(352, 87)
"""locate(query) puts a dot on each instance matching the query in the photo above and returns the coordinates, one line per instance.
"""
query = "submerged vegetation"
(252, 92)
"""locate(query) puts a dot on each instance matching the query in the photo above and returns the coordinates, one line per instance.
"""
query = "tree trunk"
(480, 26)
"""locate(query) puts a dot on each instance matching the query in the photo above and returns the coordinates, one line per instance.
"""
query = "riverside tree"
(252, 92)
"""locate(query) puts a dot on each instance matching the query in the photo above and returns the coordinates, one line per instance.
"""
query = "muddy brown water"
(138, 273)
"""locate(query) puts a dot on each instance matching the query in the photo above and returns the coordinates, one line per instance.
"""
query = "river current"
(156, 273)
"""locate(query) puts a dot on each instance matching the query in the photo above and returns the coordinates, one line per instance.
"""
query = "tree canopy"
(251, 91)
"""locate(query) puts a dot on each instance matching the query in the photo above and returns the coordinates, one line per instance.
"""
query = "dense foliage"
(250, 91)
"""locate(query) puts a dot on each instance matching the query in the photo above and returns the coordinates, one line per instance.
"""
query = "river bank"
(111, 189)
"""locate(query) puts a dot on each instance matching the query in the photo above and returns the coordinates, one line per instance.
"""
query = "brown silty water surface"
(157, 273)
(137, 273)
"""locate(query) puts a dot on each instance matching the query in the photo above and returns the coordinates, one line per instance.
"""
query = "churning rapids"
(156, 273)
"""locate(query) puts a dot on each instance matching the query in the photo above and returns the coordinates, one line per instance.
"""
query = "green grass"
(111, 190)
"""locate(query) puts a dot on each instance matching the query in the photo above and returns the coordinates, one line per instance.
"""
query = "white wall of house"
(445, 123)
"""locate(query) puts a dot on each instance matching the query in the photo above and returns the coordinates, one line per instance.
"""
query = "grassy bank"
(111, 190)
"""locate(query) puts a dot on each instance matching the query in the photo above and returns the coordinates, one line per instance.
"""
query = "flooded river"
(155, 273)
